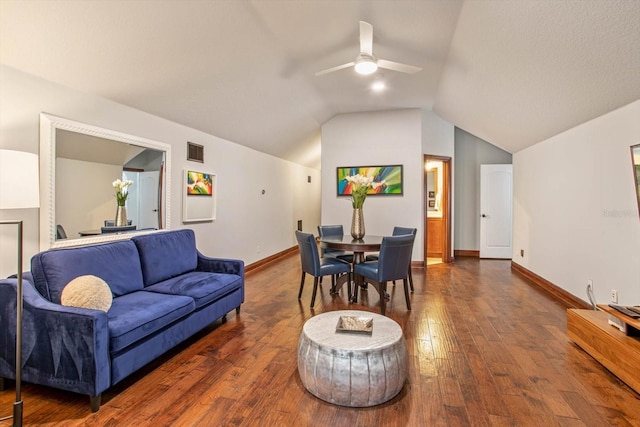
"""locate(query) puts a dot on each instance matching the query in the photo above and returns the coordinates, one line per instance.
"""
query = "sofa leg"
(238, 310)
(95, 402)
(224, 319)
(3, 383)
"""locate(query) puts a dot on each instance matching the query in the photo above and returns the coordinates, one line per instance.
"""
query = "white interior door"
(496, 211)
(148, 202)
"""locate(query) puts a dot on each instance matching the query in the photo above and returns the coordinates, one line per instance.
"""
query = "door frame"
(446, 206)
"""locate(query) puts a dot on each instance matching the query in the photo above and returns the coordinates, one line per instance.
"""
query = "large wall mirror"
(635, 160)
(78, 165)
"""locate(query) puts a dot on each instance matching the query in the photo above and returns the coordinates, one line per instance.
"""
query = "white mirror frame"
(48, 126)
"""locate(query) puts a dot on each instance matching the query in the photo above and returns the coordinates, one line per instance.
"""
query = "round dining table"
(369, 243)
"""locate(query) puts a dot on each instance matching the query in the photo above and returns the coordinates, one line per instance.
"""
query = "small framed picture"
(199, 196)
(432, 203)
(432, 194)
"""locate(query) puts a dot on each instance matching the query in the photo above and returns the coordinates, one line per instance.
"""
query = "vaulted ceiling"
(511, 72)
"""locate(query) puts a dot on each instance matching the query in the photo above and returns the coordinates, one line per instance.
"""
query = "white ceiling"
(511, 72)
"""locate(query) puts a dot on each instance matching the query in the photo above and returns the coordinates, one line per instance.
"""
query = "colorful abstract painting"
(390, 176)
(199, 184)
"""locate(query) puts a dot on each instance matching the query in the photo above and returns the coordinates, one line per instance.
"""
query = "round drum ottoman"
(352, 368)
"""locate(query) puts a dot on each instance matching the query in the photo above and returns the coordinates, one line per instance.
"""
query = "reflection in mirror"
(79, 164)
(635, 158)
(434, 188)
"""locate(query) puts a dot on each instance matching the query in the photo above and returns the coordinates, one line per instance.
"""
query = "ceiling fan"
(366, 63)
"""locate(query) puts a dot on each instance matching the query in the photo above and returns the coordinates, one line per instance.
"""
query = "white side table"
(352, 369)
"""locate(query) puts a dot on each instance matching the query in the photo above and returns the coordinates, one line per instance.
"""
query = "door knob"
(154, 210)
(483, 216)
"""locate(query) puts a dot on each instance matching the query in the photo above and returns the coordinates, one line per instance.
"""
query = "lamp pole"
(17, 405)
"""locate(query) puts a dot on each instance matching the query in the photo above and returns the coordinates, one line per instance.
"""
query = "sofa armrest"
(220, 265)
(62, 347)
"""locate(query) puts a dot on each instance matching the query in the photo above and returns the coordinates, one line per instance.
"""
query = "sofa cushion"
(203, 287)
(87, 292)
(116, 263)
(166, 255)
(136, 315)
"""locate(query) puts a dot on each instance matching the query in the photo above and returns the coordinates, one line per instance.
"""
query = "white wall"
(575, 211)
(246, 219)
(92, 202)
(437, 135)
(368, 139)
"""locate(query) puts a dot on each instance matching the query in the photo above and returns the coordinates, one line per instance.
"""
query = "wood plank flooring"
(485, 349)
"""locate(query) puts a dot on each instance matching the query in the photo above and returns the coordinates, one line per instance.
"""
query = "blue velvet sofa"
(164, 291)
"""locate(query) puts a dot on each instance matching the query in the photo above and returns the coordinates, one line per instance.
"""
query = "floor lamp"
(19, 189)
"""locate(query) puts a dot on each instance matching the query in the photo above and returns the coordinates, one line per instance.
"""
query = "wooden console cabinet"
(615, 350)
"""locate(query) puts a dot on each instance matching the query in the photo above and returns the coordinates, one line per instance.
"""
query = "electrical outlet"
(258, 249)
(614, 296)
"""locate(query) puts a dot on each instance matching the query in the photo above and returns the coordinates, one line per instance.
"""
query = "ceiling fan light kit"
(366, 63)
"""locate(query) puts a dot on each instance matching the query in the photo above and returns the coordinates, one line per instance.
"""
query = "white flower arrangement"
(121, 190)
(360, 186)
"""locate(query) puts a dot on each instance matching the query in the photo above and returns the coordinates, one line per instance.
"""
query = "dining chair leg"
(354, 295)
(315, 290)
(410, 279)
(333, 284)
(406, 293)
(349, 296)
(301, 285)
(383, 299)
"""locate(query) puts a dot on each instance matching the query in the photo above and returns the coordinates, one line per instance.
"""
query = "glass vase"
(357, 224)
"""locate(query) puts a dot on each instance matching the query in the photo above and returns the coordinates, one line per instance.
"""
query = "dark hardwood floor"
(485, 349)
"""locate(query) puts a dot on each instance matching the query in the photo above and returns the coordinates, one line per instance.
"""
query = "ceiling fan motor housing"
(366, 64)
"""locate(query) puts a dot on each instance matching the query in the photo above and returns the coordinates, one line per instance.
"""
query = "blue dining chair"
(392, 264)
(112, 222)
(333, 230)
(317, 267)
(107, 230)
(398, 231)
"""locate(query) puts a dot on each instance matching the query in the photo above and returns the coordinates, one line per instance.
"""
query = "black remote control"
(634, 309)
(625, 310)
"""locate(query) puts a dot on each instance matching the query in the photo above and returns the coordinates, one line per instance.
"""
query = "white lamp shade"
(19, 182)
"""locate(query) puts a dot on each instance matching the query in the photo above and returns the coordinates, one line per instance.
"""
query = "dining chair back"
(398, 231)
(392, 264)
(312, 264)
(333, 230)
(112, 222)
(107, 230)
(60, 233)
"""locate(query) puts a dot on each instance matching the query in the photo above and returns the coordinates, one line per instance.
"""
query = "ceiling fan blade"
(396, 66)
(331, 70)
(366, 38)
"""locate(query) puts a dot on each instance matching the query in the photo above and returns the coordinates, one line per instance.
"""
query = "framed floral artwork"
(388, 178)
(199, 183)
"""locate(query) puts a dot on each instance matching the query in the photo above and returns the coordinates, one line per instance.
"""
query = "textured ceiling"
(511, 72)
